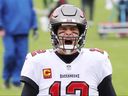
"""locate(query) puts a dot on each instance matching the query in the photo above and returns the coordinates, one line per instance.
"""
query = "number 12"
(70, 89)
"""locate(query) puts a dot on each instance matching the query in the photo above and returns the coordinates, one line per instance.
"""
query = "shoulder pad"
(28, 56)
(106, 54)
(34, 53)
(97, 50)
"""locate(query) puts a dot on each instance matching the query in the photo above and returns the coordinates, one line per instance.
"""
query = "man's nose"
(68, 32)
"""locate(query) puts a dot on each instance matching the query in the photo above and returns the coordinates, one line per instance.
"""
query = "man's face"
(68, 30)
(68, 37)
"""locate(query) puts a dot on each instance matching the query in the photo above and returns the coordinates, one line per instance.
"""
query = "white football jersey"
(56, 78)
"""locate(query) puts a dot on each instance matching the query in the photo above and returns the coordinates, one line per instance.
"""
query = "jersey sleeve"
(29, 70)
(105, 67)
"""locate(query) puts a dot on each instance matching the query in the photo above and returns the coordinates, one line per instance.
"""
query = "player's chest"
(59, 79)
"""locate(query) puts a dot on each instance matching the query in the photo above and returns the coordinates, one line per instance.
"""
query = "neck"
(67, 58)
(67, 52)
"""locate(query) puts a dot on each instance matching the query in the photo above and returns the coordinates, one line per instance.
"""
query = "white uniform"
(56, 78)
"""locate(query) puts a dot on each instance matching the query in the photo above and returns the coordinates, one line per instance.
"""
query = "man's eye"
(61, 32)
(76, 33)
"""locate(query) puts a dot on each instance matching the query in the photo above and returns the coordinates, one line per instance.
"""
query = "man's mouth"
(68, 42)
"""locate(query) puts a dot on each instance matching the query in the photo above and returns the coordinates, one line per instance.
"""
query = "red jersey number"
(70, 89)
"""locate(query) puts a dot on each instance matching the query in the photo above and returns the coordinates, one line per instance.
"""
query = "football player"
(67, 69)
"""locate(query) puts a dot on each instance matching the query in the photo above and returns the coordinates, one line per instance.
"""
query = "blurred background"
(113, 43)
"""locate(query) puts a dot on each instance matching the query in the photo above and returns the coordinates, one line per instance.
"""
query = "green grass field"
(116, 47)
